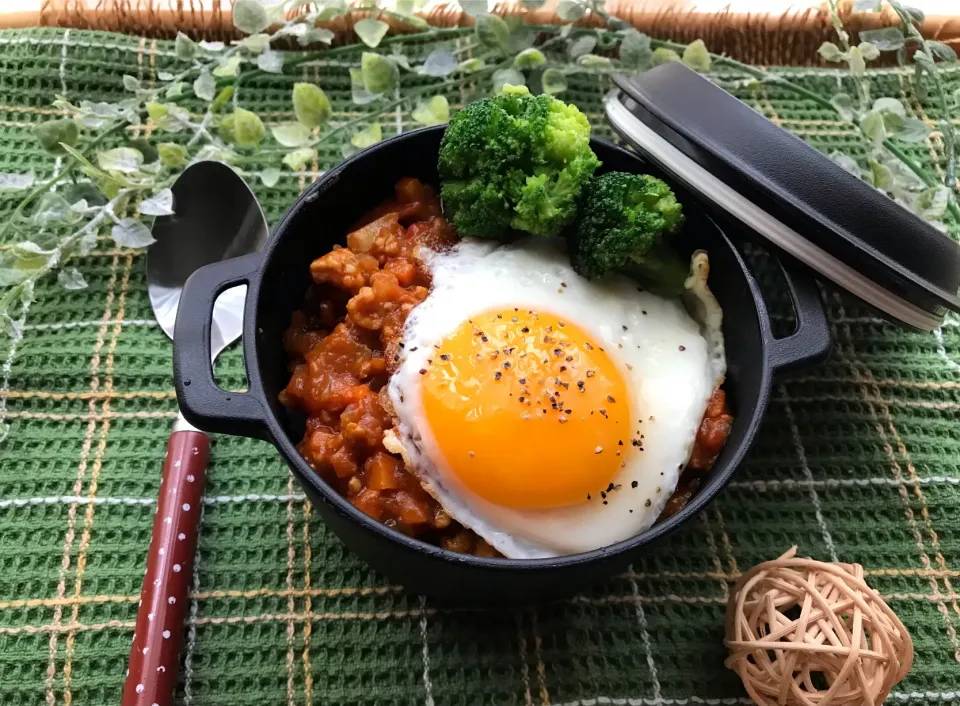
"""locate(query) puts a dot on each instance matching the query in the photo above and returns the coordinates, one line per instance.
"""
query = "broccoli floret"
(623, 218)
(514, 161)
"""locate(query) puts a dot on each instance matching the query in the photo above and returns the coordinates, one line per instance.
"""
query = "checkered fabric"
(859, 460)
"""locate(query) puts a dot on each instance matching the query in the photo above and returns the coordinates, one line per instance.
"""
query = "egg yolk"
(526, 409)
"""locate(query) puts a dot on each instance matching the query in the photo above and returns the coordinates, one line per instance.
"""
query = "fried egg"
(549, 414)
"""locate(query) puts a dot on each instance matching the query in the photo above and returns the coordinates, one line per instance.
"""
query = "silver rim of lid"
(699, 180)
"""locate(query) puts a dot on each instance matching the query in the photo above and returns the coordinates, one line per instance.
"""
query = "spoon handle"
(155, 654)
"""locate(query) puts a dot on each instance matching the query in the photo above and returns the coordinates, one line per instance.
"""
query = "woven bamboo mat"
(859, 459)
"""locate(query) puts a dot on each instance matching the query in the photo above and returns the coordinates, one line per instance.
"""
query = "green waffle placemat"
(859, 459)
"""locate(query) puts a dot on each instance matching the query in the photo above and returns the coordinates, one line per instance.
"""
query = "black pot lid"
(790, 194)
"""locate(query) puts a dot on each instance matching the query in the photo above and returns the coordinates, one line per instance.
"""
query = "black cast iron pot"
(277, 279)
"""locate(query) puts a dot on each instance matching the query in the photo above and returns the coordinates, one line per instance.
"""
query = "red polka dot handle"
(152, 674)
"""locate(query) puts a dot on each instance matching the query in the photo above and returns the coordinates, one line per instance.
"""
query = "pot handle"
(812, 340)
(202, 402)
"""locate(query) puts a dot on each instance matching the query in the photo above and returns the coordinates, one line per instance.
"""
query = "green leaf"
(29, 250)
(847, 162)
(172, 154)
(54, 133)
(271, 62)
(469, 66)
(149, 152)
(844, 106)
(229, 68)
(533, 4)
(594, 62)
(185, 48)
(507, 77)
(916, 14)
(332, 9)
(439, 62)
(258, 43)
(662, 55)
(243, 128)
(866, 5)
(165, 76)
(371, 31)
(696, 56)
(553, 81)
(249, 16)
(175, 89)
(379, 73)
(521, 35)
(931, 205)
(913, 130)
(831, 52)
(310, 104)
(205, 86)
(160, 204)
(270, 176)
(157, 111)
(223, 97)
(125, 160)
(131, 83)
(529, 59)
(886, 39)
(16, 182)
(131, 233)
(635, 52)
(359, 92)
(570, 10)
(432, 112)
(924, 62)
(582, 45)
(400, 60)
(855, 61)
(474, 8)
(404, 7)
(565, 31)
(868, 51)
(110, 181)
(942, 51)
(891, 105)
(314, 35)
(370, 135)
(291, 135)
(872, 127)
(51, 208)
(493, 32)
(70, 278)
(297, 159)
(213, 47)
(880, 175)
(892, 122)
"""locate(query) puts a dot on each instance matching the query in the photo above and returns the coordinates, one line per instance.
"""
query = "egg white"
(668, 366)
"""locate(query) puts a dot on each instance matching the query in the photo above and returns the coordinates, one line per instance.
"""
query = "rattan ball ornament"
(811, 633)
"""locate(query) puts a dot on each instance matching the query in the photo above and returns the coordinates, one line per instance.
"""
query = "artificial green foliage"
(388, 77)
